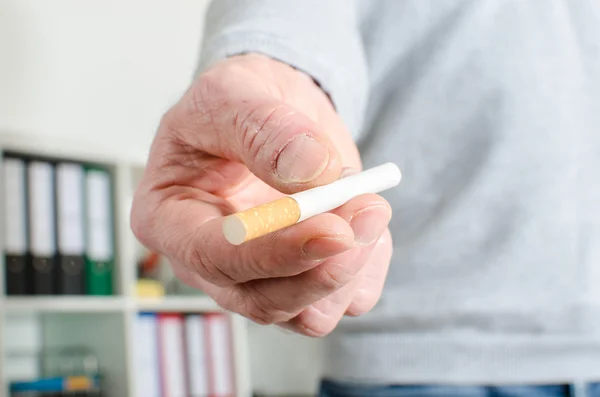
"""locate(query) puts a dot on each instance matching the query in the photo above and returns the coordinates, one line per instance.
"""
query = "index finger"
(189, 232)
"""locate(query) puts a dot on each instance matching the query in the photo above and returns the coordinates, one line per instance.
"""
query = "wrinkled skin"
(220, 149)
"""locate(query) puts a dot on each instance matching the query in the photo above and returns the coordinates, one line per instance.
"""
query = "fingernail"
(302, 160)
(369, 224)
(324, 247)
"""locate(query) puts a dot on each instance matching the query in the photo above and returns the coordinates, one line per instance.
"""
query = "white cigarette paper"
(287, 211)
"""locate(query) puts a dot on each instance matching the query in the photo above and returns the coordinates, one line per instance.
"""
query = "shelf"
(179, 304)
(107, 304)
(106, 324)
(89, 149)
(59, 304)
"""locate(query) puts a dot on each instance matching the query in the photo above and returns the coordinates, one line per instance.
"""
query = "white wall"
(106, 71)
(103, 70)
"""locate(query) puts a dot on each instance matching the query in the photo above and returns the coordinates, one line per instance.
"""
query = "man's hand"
(246, 132)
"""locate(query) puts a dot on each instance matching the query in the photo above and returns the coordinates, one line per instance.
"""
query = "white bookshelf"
(105, 324)
(65, 304)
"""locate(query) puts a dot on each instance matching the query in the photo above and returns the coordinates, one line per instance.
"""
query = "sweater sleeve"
(319, 37)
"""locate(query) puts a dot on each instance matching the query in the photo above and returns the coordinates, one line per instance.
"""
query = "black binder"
(17, 263)
(42, 227)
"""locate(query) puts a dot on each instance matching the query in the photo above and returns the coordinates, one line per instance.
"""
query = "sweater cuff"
(343, 80)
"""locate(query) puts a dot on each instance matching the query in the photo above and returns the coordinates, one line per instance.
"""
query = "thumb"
(281, 145)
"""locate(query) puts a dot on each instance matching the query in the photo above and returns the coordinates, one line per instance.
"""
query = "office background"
(91, 79)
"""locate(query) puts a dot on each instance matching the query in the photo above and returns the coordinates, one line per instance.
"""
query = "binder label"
(41, 189)
(99, 216)
(71, 231)
(15, 208)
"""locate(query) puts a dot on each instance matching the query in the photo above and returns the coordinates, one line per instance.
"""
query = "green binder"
(100, 257)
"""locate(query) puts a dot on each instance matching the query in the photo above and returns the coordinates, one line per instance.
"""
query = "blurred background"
(82, 88)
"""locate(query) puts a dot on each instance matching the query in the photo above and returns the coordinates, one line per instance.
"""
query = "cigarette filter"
(287, 211)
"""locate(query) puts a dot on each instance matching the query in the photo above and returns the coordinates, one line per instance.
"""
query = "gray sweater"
(492, 110)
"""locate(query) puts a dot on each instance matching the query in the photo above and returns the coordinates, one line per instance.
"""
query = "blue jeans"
(330, 388)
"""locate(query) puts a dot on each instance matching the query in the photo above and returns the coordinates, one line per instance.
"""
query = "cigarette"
(267, 218)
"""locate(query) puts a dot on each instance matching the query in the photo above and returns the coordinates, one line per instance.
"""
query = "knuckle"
(262, 309)
(332, 276)
(141, 222)
(275, 264)
(362, 303)
(314, 323)
(137, 224)
(253, 263)
(229, 300)
(197, 258)
(257, 315)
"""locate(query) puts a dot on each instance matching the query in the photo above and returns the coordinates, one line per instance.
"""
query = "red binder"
(171, 345)
(219, 343)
